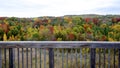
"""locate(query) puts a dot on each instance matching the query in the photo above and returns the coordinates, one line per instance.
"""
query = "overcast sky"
(35, 8)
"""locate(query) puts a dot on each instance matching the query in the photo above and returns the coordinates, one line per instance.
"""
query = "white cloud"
(28, 8)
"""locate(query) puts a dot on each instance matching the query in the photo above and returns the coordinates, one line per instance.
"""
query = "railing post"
(10, 58)
(92, 57)
(51, 58)
(0, 57)
(119, 58)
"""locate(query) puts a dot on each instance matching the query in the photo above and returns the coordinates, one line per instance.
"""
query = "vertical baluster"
(35, 57)
(89, 58)
(62, 59)
(119, 58)
(51, 58)
(18, 59)
(99, 54)
(5, 57)
(22, 57)
(85, 57)
(71, 58)
(104, 57)
(97, 58)
(109, 58)
(55, 56)
(92, 57)
(14, 58)
(31, 56)
(0, 57)
(80, 57)
(67, 58)
(40, 58)
(11, 65)
(58, 65)
(44, 58)
(114, 57)
(26, 57)
(76, 54)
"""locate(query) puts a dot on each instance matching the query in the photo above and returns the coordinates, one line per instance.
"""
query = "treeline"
(65, 28)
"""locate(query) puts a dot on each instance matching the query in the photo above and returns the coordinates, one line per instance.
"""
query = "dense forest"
(89, 27)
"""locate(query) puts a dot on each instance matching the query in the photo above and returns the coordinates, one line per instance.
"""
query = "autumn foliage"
(59, 29)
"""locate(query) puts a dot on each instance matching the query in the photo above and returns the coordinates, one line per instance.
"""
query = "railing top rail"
(59, 44)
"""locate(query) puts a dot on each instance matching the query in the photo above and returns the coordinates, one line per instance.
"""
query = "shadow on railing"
(59, 54)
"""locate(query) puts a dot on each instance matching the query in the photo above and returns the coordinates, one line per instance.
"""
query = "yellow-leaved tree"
(4, 37)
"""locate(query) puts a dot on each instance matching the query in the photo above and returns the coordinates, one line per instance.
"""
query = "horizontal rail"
(85, 50)
(59, 44)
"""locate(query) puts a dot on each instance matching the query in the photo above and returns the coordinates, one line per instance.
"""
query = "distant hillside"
(92, 16)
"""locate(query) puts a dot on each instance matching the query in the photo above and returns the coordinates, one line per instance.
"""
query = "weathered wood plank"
(11, 61)
(0, 57)
(58, 44)
(119, 58)
(92, 57)
(51, 58)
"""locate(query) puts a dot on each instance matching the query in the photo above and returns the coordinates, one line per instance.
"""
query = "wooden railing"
(73, 54)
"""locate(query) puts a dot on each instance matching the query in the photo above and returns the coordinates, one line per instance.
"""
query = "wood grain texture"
(59, 44)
